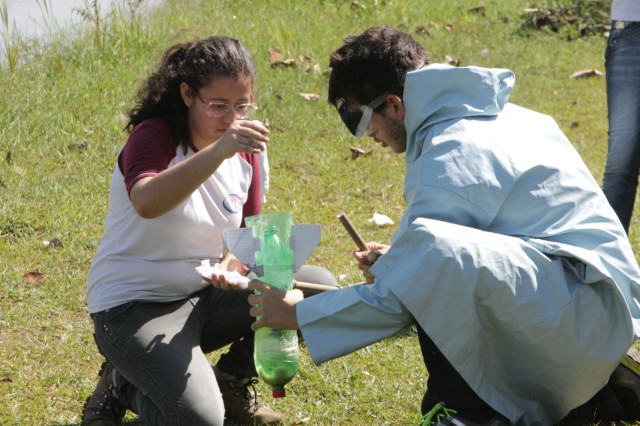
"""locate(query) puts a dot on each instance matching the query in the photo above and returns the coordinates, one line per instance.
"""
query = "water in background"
(27, 19)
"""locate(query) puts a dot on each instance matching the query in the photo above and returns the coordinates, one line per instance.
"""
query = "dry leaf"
(285, 63)
(480, 10)
(310, 96)
(55, 243)
(586, 73)
(302, 421)
(8, 158)
(6, 380)
(78, 147)
(34, 277)
(448, 27)
(357, 5)
(450, 61)
(357, 152)
(275, 56)
(422, 31)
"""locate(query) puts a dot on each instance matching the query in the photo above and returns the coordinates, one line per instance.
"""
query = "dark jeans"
(622, 64)
(446, 385)
(158, 350)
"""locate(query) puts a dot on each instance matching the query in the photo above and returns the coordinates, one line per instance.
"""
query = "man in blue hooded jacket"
(510, 261)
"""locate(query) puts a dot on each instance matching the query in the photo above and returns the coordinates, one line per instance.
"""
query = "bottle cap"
(278, 393)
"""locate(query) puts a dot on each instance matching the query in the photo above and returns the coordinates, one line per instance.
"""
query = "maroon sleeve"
(148, 151)
(253, 205)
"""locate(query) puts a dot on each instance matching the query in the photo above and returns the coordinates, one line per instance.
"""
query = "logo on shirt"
(233, 203)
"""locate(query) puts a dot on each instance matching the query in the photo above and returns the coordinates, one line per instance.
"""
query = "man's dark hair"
(373, 62)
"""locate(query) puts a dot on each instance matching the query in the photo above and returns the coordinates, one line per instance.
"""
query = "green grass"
(61, 121)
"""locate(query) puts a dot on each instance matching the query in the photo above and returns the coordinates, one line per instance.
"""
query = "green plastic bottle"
(276, 353)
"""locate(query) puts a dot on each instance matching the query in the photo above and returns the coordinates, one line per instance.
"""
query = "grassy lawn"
(61, 121)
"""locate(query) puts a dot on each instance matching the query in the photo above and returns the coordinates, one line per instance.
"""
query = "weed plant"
(62, 114)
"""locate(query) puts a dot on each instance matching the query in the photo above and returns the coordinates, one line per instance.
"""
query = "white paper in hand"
(205, 270)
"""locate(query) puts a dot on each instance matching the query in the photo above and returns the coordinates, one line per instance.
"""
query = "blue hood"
(439, 93)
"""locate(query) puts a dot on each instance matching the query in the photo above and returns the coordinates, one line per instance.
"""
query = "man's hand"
(276, 308)
(364, 263)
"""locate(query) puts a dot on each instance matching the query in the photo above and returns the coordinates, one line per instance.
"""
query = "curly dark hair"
(373, 62)
(196, 63)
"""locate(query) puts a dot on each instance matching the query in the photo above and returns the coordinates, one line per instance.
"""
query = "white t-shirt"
(155, 259)
(625, 10)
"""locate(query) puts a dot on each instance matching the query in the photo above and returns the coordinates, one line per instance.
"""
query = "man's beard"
(397, 133)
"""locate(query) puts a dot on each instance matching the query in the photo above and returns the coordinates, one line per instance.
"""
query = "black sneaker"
(625, 383)
(103, 408)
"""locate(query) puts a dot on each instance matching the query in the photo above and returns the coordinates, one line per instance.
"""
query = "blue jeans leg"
(622, 64)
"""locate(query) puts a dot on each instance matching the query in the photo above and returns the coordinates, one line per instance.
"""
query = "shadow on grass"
(133, 422)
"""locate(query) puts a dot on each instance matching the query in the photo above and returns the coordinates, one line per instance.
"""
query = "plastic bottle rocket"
(276, 353)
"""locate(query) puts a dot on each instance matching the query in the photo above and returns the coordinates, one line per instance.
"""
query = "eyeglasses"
(358, 120)
(218, 109)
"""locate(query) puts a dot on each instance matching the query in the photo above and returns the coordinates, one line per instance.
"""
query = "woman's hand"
(365, 262)
(153, 196)
(276, 308)
(243, 136)
(232, 264)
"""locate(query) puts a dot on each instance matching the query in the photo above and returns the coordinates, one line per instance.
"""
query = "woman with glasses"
(188, 171)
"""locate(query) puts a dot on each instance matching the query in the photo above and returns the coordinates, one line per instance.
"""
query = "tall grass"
(91, 12)
(10, 37)
(61, 130)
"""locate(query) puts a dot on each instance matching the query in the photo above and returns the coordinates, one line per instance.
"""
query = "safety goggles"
(358, 120)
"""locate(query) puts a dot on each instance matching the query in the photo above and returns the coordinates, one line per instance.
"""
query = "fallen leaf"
(275, 56)
(6, 380)
(450, 61)
(357, 152)
(310, 96)
(357, 5)
(422, 31)
(8, 158)
(55, 243)
(34, 277)
(448, 27)
(480, 10)
(285, 63)
(586, 73)
(78, 147)
(302, 421)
